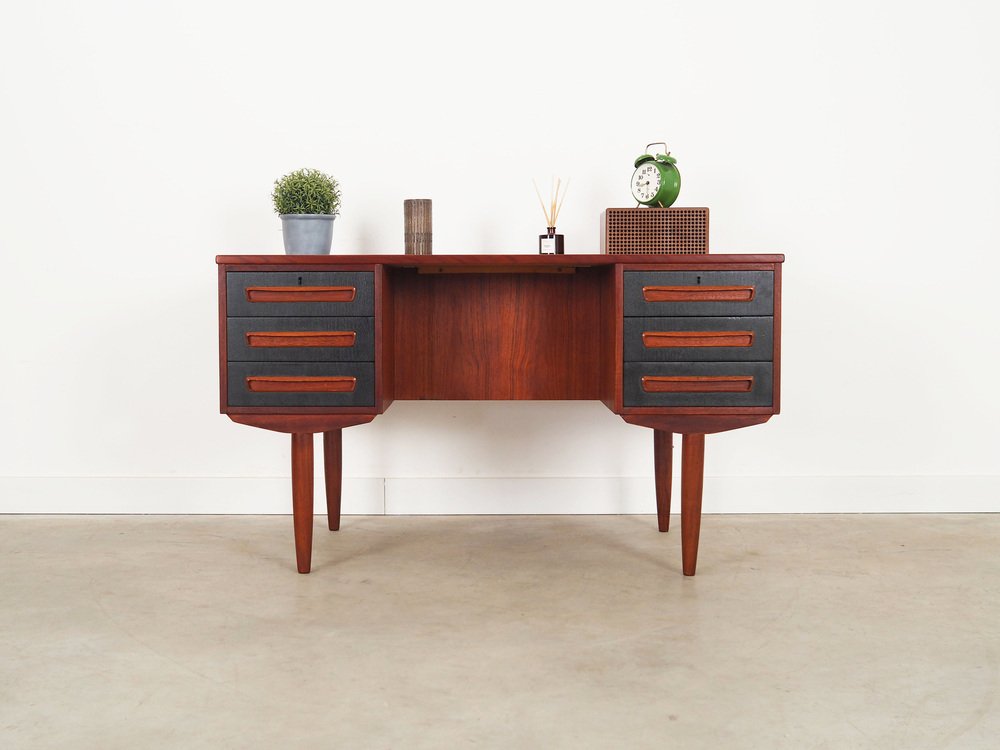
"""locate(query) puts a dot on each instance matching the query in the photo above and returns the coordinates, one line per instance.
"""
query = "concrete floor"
(500, 632)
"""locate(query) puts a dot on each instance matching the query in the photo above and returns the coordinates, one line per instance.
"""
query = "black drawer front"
(697, 383)
(296, 384)
(692, 293)
(710, 339)
(301, 339)
(308, 293)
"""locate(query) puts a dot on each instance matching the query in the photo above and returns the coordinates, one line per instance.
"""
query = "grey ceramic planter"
(307, 234)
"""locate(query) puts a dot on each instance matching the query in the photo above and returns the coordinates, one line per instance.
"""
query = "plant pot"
(307, 234)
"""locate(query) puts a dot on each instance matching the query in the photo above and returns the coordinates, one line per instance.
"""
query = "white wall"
(139, 140)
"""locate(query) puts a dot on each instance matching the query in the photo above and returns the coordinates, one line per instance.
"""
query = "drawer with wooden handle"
(301, 383)
(697, 384)
(717, 339)
(302, 294)
(694, 293)
(288, 339)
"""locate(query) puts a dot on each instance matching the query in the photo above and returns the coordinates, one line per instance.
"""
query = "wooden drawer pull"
(698, 293)
(668, 339)
(301, 338)
(301, 384)
(698, 384)
(301, 293)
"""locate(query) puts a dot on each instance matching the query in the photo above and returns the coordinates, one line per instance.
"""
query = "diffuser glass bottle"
(551, 243)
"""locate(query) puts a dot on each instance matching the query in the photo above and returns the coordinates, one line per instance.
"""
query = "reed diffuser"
(551, 243)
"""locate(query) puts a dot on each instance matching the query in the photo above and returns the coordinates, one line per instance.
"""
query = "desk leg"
(663, 452)
(333, 464)
(692, 469)
(302, 497)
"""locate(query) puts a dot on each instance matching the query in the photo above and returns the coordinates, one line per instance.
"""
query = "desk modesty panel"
(678, 343)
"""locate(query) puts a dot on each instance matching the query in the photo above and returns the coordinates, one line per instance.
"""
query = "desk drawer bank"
(678, 344)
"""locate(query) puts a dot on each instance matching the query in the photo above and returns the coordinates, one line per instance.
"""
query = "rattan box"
(668, 231)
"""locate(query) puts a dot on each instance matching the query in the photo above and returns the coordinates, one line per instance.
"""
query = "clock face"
(645, 182)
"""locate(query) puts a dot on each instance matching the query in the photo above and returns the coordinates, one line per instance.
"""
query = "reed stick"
(541, 202)
(557, 196)
(559, 207)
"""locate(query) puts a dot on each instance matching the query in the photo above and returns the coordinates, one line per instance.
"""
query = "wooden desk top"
(576, 260)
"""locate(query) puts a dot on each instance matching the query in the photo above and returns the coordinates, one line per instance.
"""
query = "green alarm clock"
(656, 180)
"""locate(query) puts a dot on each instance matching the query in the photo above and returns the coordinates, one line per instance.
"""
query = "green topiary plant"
(306, 191)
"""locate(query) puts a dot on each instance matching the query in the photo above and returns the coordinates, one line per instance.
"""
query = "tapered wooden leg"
(302, 498)
(692, 469)
(333, 464)
(663, 452)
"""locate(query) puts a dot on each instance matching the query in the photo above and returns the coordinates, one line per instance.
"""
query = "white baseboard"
(181, 495)
(500, 495)
(515, 495)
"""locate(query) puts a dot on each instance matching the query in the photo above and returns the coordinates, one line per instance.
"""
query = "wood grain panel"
(302, 498)
(698, 293)
(669, 339)
(385, 357)
(663, 460)
(301, 384)
(618, 334)
(521, 260)
(333, 467)
(301, 293)
(692, 484)
(223, 344)
(776, 356)
(611, 335)
(697, 384)
(499, 335)
(284, 422)
(496, 269)
(301, 338)
(688, 423)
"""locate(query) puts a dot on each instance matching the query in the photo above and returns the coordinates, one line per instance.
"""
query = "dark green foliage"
(306, 191)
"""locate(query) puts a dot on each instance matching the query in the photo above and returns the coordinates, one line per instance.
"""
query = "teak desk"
(684, 344)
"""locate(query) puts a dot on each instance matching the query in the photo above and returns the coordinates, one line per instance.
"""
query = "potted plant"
(307, 201)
